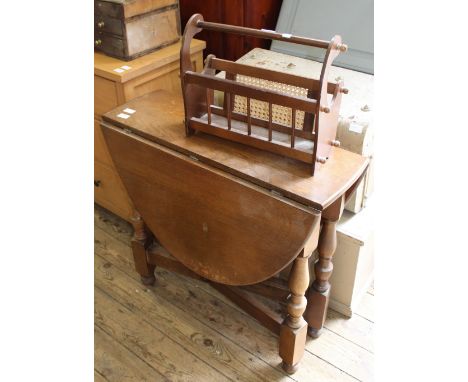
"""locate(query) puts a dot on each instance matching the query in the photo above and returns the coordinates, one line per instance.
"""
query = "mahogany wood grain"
(250, 13)
(213, 10)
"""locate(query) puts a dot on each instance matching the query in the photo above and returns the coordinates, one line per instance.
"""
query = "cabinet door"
(105, 95)
(101, 153)
(109, 191)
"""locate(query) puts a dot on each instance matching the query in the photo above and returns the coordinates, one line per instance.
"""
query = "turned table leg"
(293, 331)
(140, 243)
(319, 293)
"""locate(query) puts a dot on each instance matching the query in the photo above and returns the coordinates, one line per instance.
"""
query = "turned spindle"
(140, 243)
(293, 331)
(326, 248)
(319, 292)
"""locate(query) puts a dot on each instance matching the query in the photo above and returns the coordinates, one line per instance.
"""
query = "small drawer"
(105, 95)
(109, 191)
(101, 153)
(109, 44)
(108, 8)
(106, 24)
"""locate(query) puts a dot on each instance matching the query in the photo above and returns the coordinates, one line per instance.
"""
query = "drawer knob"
(341, 47)
(97, 42)
(97, 183)
(100, 24)
(324, 109)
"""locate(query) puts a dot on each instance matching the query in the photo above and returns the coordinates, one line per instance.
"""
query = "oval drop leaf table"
(231, 214)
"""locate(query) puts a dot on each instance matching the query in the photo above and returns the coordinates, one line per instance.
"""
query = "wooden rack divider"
(311, 144)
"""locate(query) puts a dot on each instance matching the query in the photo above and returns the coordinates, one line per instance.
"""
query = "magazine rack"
(312, 118)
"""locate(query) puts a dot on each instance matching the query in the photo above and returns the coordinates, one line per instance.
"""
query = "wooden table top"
(159, 117)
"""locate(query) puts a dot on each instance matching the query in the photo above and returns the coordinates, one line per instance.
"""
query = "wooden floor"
(183, 330)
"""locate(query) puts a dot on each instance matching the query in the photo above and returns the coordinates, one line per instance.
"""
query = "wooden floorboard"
(194, 336)
(187, 320)
(345, 343)
(371, 288)
(365, 307)
(358, 330)
(98, 377)
(114, 362)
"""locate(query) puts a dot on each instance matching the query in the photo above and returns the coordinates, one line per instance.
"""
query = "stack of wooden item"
(118, 80)
(208, 169)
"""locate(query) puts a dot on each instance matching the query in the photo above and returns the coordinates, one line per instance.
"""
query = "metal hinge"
(276, 193)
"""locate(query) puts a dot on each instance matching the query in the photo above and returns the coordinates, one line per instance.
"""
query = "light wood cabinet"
(158, 70)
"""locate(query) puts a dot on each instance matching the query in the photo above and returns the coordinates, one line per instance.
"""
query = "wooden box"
(116, 82)
(127, 29)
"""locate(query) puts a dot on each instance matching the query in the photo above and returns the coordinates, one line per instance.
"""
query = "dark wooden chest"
(127, 29)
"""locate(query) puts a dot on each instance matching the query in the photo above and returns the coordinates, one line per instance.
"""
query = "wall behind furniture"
(353, 20)
(248, 13)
